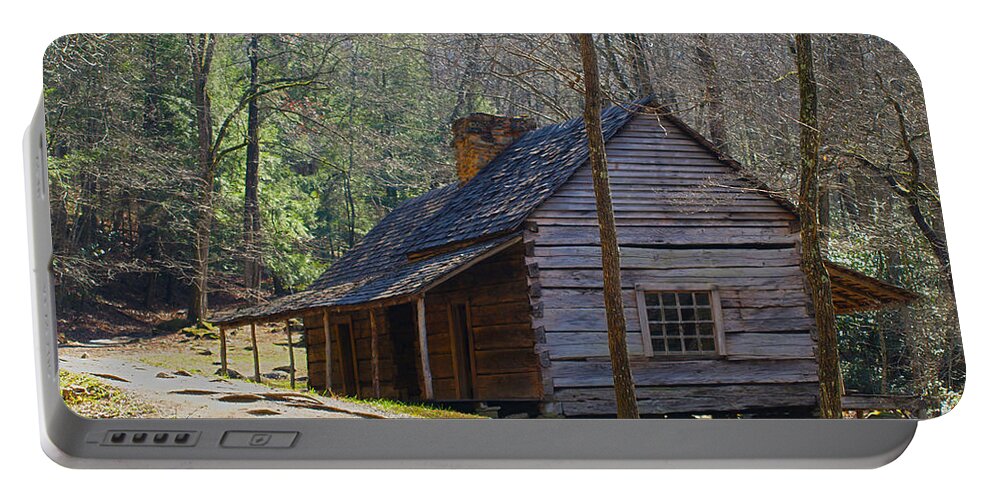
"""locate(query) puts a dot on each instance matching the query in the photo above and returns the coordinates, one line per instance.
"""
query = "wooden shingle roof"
(426, 238)
(509, 188)
(852, 291)
(408, 278)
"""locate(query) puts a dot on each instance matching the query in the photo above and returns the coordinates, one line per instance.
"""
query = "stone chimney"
(479, 138)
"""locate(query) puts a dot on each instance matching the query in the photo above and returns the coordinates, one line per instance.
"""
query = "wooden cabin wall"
(313, 325)
(505, 361)
(362, 335)
(681, 218)
(404, 363)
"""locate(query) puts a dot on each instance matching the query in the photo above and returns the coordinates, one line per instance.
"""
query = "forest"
(193, 172)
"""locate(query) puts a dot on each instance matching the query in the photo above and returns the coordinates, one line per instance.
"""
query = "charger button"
(252, 439)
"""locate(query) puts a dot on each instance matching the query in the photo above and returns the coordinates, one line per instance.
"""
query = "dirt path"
(178, 394)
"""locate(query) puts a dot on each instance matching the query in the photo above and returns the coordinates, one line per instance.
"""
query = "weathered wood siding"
(506, 366)
(505, 362)
(314, 333)
(682, 217)
(362, 336)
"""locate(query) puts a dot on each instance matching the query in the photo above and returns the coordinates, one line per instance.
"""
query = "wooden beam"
(374, 327)
(306, 311)
(327, 351)
(224, 353)
(293, 368)
(255, 356)
(422, 338)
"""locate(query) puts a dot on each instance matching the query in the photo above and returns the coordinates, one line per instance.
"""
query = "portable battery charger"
(613, 250)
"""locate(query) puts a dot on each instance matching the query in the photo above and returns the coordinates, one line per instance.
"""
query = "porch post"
(224, 352)
(293, 368)
(327, 351)
(255, 355)
(374, 328)
(422, 337)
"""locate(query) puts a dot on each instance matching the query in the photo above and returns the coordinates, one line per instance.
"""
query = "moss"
(89, 398)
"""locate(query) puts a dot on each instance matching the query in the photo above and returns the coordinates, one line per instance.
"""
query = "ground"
(154, 369)
(140, 390)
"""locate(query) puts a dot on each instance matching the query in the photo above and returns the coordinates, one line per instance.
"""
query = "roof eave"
(418, 291)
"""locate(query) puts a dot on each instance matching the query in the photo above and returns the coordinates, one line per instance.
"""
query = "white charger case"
(467, 301)
(79, 442)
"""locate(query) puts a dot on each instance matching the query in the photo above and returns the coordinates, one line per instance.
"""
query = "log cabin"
(489, 291)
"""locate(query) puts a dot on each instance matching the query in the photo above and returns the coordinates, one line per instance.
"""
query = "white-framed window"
(680, 320)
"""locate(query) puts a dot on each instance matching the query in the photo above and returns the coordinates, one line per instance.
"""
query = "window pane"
(655, 329)
(702, 299)
(688, 314)
(652, 299)
(692, 344)
(654, 314)
(671, 316)
(705, 329)
(707, 345)
(674, 345)
(685, 299)
(689, 329)
(669, 299)
(658, 345)
(703, 313)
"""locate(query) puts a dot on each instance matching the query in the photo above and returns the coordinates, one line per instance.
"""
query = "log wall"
(505, 362)
(682, 216)
(314, 333)
(362, 338)
(504, 359)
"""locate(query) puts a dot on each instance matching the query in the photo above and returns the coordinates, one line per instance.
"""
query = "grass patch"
(417, 410)
(89, 398)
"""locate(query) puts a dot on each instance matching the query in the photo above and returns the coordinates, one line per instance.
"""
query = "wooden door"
(346, 358)
(462, 351)
(403, 338)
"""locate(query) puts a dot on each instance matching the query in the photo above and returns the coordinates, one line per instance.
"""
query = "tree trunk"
(712, 94)
(349, 193)
(884, 358)
(201, 54)
(627, 404)
(465, 101)
(911, 189)
(610, 55)
(828, 370)
(293, 364)
(639, 65)
(253, 264)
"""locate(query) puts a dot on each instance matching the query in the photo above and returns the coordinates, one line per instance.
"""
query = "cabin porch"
(465, 342)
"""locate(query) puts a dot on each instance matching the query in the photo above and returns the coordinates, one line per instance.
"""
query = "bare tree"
(828, 368)
(627, 404)
(639, 64)
(253, 227)
(712, 94)
(201, 50)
